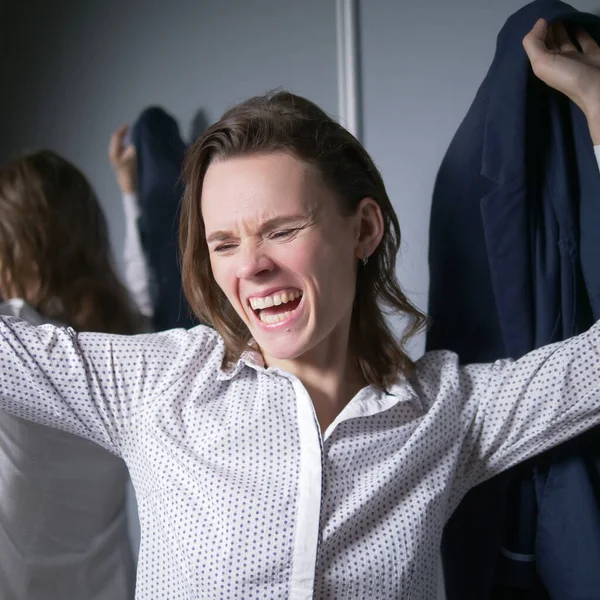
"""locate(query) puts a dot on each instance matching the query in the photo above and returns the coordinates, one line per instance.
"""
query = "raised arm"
(90, 384)
(513, 410)
(137, 273)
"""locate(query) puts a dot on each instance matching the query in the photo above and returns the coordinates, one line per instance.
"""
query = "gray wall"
(77, 70)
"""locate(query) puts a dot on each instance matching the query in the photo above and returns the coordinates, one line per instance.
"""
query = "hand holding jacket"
(569, 64)
(122, 157)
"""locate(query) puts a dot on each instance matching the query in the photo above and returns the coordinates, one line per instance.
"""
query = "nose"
(253, 262)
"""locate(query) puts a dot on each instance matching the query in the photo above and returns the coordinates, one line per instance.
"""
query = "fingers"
(115, 148)
(536, 41)
(561, 38)
(586, 41)
(550, 39)
(555, 38)
(129, 153)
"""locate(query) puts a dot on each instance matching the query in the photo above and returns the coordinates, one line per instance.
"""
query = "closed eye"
(283, 234)
(222, 248)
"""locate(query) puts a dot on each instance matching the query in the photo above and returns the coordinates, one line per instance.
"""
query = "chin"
(284, 350)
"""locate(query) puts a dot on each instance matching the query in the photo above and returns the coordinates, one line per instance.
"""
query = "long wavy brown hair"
(55, 249)
(285, 122)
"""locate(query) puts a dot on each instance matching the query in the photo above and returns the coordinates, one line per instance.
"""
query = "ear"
(370, 227)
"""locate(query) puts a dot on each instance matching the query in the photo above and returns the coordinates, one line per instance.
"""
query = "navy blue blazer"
(160, 153)
(515, 264)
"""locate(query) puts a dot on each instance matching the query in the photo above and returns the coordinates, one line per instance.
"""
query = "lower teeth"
(276, 318)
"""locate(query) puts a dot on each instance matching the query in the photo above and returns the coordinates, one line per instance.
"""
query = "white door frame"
(349, 106)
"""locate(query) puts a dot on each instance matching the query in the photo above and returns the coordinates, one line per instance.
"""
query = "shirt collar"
(249, 358)
(400, 391)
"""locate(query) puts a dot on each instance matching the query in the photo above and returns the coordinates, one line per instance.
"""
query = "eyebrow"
(269, 225)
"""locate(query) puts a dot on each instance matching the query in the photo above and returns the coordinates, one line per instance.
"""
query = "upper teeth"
(275, 300)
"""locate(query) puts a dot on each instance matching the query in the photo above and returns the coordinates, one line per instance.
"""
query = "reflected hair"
(284, 122)
(55, 249)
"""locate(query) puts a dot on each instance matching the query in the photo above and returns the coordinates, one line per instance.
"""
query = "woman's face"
(281, 251)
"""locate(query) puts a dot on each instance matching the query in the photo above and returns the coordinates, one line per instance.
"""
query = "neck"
(329, 372)
(11, 292)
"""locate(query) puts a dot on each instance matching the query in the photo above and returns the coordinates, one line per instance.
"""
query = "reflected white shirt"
(63, 525)
(136, 270)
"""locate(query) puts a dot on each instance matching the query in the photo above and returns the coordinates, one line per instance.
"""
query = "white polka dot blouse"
(241, 496)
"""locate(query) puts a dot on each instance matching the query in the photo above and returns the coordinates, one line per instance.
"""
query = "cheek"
(335, 263)
(332, 270)
(298, 259)
(224, 276)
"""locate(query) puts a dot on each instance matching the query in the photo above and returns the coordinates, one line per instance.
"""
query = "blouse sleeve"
(91, 384)
(513, 410)
(137, 272)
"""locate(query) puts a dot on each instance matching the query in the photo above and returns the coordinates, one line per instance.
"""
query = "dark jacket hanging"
(515, 264)
(160, 152)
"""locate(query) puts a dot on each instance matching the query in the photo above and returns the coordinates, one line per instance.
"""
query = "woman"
(63, 529)
(295, 451)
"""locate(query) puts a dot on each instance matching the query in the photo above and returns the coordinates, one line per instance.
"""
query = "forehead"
(250, 189)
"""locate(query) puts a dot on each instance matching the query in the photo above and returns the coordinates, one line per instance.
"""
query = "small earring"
(365, 260)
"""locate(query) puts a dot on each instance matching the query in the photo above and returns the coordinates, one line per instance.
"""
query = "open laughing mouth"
(276, 308)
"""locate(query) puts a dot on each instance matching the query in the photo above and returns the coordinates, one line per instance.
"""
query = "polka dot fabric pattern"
(241, 496)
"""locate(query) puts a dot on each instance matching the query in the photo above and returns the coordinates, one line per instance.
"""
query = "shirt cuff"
(131, 206)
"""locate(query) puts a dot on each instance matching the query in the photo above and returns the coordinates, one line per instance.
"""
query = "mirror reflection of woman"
(293, 450)
(63, 528)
